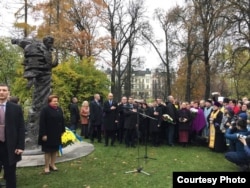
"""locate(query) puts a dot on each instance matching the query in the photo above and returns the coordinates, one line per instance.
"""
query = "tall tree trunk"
(168, 92)
(188, 81)
(207, 72)
(25, 18)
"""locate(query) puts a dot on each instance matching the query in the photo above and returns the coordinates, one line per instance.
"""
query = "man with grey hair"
(74, 114)
(171, 126)
(110, 119)
(96, 118)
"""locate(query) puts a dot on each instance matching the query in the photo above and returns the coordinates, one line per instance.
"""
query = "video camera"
(246, 137)
(243, 136)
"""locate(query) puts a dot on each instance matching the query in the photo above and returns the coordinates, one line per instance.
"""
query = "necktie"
(110, 102)
(2, 123)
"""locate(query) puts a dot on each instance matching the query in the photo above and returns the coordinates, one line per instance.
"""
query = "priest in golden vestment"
(217, 141)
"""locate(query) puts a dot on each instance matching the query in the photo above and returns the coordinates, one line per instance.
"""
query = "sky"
(151, 58)
(7, 16)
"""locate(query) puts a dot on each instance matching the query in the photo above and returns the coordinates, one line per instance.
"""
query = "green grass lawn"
(106, 167)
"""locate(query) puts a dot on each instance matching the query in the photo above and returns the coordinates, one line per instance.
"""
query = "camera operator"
(239, 156)
(234, 129)
(244, 140)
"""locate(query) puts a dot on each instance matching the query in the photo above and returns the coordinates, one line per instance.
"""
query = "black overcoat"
(14, 131)
(131, 117)
(51, 123)
(155, 123)
(74, 114)
(110, 116)
(144, 120)
(121, 115)
(96, 114)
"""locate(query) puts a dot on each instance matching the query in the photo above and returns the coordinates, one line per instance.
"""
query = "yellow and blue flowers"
(68, 138)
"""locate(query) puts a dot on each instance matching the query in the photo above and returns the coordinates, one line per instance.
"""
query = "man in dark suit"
(95, 118)
(110, 119)
(11, 136)
(120, 131)
(171, 127)
(130, 122)
(74, 114)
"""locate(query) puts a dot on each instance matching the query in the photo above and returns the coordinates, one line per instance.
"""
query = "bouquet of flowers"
(167, 118)
(194, 112)
(68, 138)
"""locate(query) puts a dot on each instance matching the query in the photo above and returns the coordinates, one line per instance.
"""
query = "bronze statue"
(38, 64)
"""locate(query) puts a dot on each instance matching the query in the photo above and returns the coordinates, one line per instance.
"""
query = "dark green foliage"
(9, 59)
(80, 79)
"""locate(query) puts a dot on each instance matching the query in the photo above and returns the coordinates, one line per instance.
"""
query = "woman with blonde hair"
(84, 113)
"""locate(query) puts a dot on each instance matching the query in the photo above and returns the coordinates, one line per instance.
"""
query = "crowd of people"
(162, 123)
(129, 121)
(213, 123)
(220, 124)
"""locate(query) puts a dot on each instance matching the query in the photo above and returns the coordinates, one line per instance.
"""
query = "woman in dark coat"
(184, 124)
(51, 128)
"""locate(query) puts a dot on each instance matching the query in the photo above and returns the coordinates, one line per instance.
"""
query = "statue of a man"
(38, 58)
(38, 64)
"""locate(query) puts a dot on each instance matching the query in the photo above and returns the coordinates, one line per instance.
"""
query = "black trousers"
(9, 170)
(130, 136)
(110, 134)
(120, 133)
(95, 131)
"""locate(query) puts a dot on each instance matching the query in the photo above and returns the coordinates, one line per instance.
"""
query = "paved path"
(74, 151)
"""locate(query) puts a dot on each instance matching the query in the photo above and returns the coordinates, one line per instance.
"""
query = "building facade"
(146, 84)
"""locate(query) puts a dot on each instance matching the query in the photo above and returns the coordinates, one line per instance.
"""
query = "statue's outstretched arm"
(21, 42)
